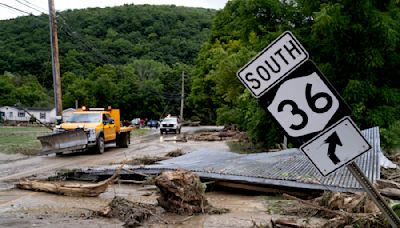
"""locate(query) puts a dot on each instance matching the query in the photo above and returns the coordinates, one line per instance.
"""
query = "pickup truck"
(87, 129)
(170, 124)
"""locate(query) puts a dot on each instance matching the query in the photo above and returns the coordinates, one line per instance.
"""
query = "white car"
(170, 124)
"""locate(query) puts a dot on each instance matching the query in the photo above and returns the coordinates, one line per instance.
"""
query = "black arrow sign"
(333, 140)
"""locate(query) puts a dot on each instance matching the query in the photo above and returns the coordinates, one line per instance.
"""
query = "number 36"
(312, 103)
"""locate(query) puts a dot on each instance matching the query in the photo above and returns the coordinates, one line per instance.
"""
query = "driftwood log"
(182, 192)
(62, 188)
(389, 188)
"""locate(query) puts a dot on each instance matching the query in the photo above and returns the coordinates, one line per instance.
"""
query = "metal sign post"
(309, 110)
(374, 194)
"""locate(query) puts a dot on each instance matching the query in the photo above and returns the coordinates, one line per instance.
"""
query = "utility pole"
(182, 93)
(55, 61)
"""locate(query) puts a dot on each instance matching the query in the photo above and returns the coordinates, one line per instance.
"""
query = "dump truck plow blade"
(63, 141)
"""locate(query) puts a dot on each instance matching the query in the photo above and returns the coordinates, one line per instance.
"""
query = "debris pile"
(343, 209)
(182, 192)
(175, 153)
(219, 136)
(133, 214)
(353, 203)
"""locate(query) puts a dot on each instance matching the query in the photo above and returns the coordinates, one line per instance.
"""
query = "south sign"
(272, 64)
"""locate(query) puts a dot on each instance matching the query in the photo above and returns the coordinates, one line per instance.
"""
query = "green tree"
(7, 88)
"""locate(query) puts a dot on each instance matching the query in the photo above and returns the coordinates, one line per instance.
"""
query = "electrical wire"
(11, 7)
(89, 46)
(65, 28)
(29, 6)
(45, 10)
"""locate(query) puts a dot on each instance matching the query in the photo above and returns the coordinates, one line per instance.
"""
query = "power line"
(29, 6)
(11, 7)
(45, 10)
(75, 35)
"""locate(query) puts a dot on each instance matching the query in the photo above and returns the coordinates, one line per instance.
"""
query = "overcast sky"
(15, 8)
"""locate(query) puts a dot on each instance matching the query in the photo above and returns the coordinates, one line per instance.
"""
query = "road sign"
(305, 103)
(272, 64)
(336, 146)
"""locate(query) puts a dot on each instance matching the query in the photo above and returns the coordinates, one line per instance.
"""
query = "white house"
(67, 113)
(45, 115)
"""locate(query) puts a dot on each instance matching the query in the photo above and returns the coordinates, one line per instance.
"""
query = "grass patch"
(139, 132)
(21, 139)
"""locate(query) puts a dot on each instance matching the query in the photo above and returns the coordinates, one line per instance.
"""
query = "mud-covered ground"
(21, 208)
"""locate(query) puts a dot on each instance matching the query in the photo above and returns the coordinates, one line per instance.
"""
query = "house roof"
(40, 109)
(69, 110)
(288, 168)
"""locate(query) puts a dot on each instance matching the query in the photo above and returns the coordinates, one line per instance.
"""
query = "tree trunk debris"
(61, 188)
(182, 192)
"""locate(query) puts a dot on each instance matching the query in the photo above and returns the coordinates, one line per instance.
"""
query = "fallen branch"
(69, 189)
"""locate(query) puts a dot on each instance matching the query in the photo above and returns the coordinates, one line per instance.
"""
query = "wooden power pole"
(183, 93)
(55, 61)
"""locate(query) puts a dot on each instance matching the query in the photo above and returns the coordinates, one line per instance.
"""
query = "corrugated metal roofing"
(288, 168)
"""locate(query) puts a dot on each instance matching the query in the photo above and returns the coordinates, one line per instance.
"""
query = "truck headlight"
(91, 134)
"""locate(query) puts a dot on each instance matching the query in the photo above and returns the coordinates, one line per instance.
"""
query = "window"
(42, 115)
(2, 114)
(21, 114)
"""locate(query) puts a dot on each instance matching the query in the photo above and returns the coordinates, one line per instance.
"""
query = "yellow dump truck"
(87, 129)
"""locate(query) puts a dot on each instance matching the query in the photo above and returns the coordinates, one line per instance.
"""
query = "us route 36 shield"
(304, 103)
(336, 146)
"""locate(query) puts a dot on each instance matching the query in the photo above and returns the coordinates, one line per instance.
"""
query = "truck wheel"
(100, 145)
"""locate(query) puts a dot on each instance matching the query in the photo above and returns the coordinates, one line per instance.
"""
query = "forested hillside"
(133, 56)
(356, 44)
(130, 57)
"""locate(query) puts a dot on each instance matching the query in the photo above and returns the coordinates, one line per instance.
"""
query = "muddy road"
(20, 208)
(14, 167)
